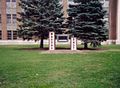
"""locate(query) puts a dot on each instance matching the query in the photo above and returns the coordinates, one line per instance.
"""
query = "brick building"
(9, 9)
(114, 21)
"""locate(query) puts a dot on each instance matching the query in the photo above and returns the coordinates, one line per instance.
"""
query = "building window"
(13, 4)
(14, 18)
(7, 0)
(13, 0)
(11, 35)
(14, 35)
(8, 18)
(8, 4)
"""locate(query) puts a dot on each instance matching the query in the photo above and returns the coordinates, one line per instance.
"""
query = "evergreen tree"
(86, 21)
(38, 18)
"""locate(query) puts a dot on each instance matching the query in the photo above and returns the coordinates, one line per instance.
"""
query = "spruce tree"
(86, 21)
(38, 18)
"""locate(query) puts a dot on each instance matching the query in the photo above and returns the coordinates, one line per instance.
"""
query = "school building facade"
(9, 9)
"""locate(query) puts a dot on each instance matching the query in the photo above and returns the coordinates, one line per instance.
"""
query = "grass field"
(21, 68)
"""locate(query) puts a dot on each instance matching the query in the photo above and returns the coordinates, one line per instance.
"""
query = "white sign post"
(73, 43)
(51, 41)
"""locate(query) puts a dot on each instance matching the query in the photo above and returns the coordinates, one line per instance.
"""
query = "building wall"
(8, 20)
(118, 22)
(3, 20)
(113, 20)
(9, 9)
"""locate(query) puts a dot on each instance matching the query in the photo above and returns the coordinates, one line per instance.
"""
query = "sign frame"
(63, 35)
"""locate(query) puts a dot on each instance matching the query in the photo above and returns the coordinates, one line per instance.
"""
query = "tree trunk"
(42, 42)
(85, 45)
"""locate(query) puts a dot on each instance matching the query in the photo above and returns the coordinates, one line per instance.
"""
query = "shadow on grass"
(2, 81)
(62, 48)
(115, 79)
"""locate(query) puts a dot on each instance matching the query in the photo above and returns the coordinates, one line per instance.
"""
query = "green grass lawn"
(31, 69)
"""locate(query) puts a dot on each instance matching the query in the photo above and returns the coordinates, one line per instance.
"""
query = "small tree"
(86, 21)
(38, 18)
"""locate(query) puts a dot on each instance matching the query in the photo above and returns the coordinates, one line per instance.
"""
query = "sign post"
(73, 43)
(51, 41)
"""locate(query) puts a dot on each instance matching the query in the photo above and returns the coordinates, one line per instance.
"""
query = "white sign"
(51, 41)
(73, 43)
(62, 37)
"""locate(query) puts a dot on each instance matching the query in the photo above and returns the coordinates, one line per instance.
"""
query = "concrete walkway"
(31, 42)
(21, 42)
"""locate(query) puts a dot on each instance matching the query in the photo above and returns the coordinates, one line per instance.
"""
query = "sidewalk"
(31, 42)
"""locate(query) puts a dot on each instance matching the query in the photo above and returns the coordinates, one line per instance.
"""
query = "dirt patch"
(64, 50)
(68, 51)
(61, 52)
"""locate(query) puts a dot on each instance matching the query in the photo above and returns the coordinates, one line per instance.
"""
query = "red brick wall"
(113, 20)
(3, 20)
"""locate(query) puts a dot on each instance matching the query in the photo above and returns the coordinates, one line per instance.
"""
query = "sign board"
(62, 37)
